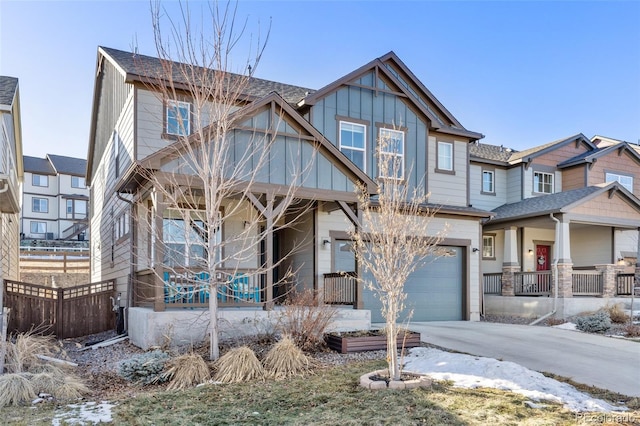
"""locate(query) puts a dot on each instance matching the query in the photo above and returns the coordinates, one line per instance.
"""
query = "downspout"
(132, 268)
(555, 276)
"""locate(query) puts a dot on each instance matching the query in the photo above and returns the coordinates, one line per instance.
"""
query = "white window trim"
(535, 187)
(172, 103)
(46, 179)
(493, 182)
(363, 149)
(33, 200)
(81, 182)
(391, 153)
(438, 163)
(33, 222)
(492, 255)
(616, 177)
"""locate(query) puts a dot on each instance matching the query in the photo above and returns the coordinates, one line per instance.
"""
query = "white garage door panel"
(434, 292)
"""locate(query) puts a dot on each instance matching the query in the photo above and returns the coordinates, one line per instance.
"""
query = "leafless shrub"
(616, 314)
(306, 321)
(631, 330)
(286, 360)
(15, 388)
(187, 371)
(239, 365)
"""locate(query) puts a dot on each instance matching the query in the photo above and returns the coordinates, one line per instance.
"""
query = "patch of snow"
(474, 372)
(567, 326)
(86, 413)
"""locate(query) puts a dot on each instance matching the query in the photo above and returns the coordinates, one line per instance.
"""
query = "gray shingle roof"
(37, 165)
(490, 152)
(543, 204)
(68, 165)
(537, 149)
(150, 67)
(8, 86)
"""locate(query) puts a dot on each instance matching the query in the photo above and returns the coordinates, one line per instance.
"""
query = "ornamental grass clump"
(617, 315)
(146, 368)
(15, 389)
(187, 371)
(286, 360)
(23, 348)
(596, 323)
(239, 365)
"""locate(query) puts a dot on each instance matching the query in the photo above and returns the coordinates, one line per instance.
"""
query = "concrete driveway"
(605, 362)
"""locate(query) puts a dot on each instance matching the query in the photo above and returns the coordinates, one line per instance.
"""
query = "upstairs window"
(445, 156)
(391, 154)
(543, 182)
(40, 180)
(178, 118)
(352, 142)
(40, 205)
(78, 182)
(624, 180)
(488, 182)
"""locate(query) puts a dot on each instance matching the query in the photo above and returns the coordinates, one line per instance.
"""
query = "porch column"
(156, 228)
(510, 264)
(563, 254)
(609, 278)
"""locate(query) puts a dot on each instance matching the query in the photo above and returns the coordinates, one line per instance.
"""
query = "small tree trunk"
(214, 351)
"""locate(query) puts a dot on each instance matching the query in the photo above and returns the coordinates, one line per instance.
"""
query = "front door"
(542, 258)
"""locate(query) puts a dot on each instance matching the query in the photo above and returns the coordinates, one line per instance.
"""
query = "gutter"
(131, 268)
(555, 279)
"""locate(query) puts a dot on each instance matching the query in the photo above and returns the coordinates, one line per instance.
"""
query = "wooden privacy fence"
(54, 261)
(66, 312)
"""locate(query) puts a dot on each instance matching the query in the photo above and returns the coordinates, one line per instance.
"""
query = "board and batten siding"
(446, 188)
(484, 201)
(361, 105)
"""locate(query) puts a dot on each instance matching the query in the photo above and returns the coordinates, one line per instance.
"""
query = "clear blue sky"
(521, 73)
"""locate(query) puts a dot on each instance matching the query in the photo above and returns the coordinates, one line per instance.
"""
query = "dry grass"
(305, 320)
(632, 330)
(616, 314)
(286, 360)
(187, 371)
(60, 385)
(555, 321)
(23, 348)
(239, 365)
(71, 388)
(15, 389)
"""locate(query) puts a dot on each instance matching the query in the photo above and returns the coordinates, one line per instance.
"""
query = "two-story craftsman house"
(335, 130)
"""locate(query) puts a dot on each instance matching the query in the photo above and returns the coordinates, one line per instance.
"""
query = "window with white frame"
(121, 226)
(391, 154)
(185, 239)
(488, 246)
(40, 180)
(352, 142)
(624, 180)
(78, 182)
(40, 205)
(543, 182)
(488, 184)
(38, 227)
(445, 156)
(76, 208)
(178, 116)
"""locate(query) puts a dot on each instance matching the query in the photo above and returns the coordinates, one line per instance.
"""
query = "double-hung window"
(40, 180)
(624, 180)
(391, 154)
(178, 118)
(445, 156)
(488, 184)
(543, 182)
(352, 142)
(40, 205)
(488, 246)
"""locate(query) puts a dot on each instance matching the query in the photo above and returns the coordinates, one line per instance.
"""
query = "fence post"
(59, 314)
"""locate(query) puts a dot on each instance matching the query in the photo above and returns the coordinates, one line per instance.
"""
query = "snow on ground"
(566, 326)
(86, 413)
(469, 371)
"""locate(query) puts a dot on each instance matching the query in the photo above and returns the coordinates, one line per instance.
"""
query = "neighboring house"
(571, 200)
(343, 121)
(11, 174)
(55, 198)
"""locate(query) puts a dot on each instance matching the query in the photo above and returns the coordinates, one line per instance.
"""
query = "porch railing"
(340, 288)
(624, 284)
(536, 283)
(235, 287)
(587, 283)
(492, 283)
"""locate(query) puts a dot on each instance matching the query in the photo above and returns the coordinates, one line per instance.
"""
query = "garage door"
(434, 292)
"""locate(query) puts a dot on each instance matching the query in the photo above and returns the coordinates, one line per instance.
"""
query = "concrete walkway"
(605, 362)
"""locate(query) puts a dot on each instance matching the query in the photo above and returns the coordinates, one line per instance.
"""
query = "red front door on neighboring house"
(543, 262)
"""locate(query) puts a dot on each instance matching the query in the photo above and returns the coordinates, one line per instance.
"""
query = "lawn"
(329, 397)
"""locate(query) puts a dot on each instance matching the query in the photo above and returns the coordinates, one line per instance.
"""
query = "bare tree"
(395, 236)
(210, 173)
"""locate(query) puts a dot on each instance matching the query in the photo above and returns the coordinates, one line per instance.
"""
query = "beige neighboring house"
(11, 174)
(55, 199)
(573, 201)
